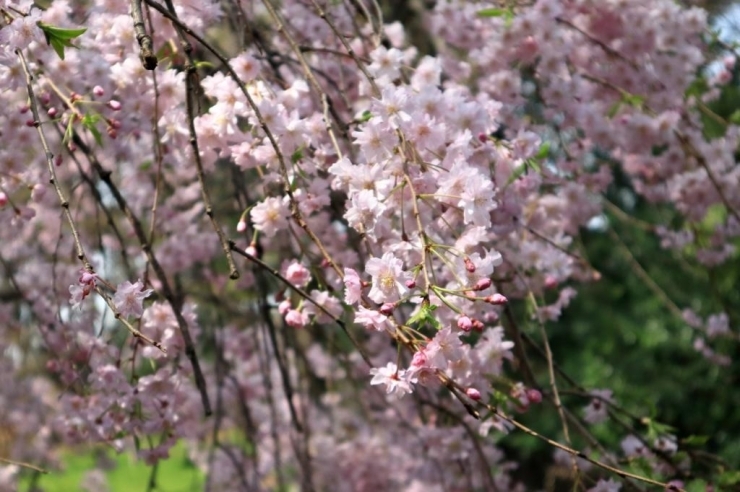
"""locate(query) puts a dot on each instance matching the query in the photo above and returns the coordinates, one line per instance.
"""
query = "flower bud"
(464, 323)
(473, 394)
(98, 91)
(241, 226)
(497, 299)
(284, 307)
(550, 282)
(482, 284)
(387, 308)
(534, 396)
(469, 265)
(411, 284)
(114, 105)
(3, 199)
(52, 112)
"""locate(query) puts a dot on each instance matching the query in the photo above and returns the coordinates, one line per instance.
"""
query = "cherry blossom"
(129, 298)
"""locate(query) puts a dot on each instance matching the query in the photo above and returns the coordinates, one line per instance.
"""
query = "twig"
(190, 97)
(147, 56)
(24, 465)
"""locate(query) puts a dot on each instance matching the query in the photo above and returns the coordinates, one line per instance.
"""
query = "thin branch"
(147, 56)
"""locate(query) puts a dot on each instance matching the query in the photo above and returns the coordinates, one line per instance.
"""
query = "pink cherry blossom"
(129, 298)
(388, 282)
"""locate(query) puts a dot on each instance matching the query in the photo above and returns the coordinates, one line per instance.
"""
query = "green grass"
(125, 473)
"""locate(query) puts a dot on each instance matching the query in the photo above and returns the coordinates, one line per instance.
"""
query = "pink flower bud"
(464, 323)
(3, 199)
(241, 226)
(30, 123)
(114, 105)
(550, 282)
(25, 109)
(469, 265)
(497, 299)
(44, 98)
(52, 112)
(411, 284)
(87, 277)
(387, 308)
(58, 160)
(534, 396)
(284, 307)
(482, 284)
(478, 325)
(473, 394)
(251, 250)
(98, 91)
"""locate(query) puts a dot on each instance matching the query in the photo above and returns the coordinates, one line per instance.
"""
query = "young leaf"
(59, 37)
(90, 121)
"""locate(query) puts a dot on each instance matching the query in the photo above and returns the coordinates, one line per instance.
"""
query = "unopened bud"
(3, 199)
(473, 394)
(482, 284)
(98, 91)
(411, 284)
(497, 299)
(469, 265)
(478, 325)
(114, 105)
(251, 250)
(464, 323)
(52, 112)
(534, 396)
(241, 226)
(387, 308)
(550, 282)
(284, 307)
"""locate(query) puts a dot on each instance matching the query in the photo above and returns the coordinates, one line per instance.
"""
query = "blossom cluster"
(326, 232)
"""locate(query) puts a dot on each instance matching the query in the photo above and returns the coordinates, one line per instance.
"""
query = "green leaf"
(729, 478)
(90, 122)
(366, 115)
(696, 486)
(59, 37)
(424, 316)
(61, 32)
(543, 151)
(492, 12)
(506, 14)
(633, 100)
(695, 440)
(614, 109)
(297, 156)
(203, 64)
